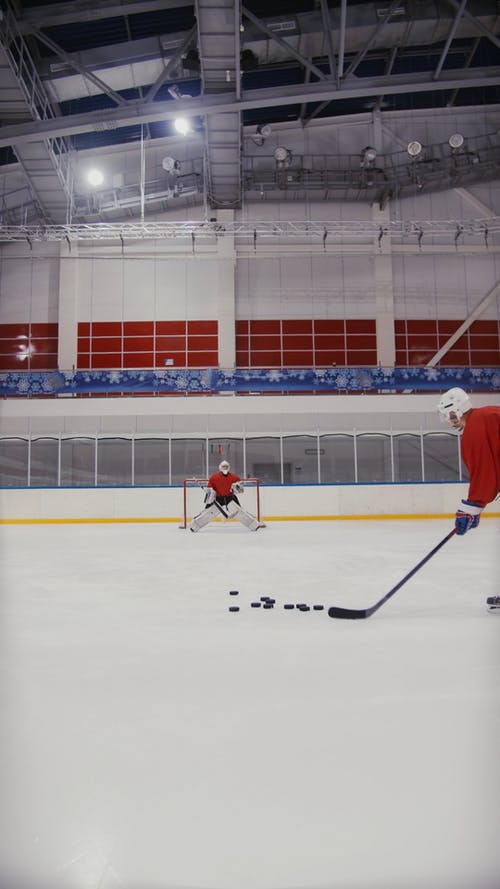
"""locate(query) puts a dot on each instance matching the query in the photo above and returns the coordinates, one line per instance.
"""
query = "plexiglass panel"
(44, 462)
(264, 461)
(337, 459)
(189, 459)
(441, 457)
(151, 461)
(78, 462)
(407, 457)
(230, 449)
(13, 462)
(374, 458)
(114, 462)
(300, 455)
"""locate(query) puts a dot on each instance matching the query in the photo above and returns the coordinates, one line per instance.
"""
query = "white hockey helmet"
(454, 401)
(224, 467)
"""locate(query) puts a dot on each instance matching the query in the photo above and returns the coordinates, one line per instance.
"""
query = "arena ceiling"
(84, 77)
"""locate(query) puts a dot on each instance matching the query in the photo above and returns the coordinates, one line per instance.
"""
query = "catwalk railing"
(208, 381)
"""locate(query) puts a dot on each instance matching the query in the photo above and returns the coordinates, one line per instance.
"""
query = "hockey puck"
(234, 608)
(318, 607)
(303, 607)
(268, 605)
(234, 592)
(264, 598)
(255, 604)
(289, 606)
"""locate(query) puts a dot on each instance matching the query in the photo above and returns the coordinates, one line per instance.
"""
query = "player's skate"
(493, 603)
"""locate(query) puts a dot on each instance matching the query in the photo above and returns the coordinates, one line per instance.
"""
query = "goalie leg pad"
(203, 518)
(245, 518)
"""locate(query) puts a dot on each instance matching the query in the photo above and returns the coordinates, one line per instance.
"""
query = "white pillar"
(68, 306)
(226, 303)
(384, 293)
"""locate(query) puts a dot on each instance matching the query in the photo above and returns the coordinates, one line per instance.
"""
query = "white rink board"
(287, 501)
(156, 740)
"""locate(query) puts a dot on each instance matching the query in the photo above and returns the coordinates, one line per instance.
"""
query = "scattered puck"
(289, 605)
(318, 607)
(264, 598)
(234, 608)
(303, 607)
(268, 605)
(256, 604)
(234, 592)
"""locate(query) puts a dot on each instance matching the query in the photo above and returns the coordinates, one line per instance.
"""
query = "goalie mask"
(455, 401)
(224, 467)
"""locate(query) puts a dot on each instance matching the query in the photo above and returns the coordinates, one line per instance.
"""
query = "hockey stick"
(219, 507)
(356, 614)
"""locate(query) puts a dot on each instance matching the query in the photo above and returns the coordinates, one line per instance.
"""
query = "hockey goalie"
(221, 500)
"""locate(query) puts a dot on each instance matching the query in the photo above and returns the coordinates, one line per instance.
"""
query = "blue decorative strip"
(213, 380)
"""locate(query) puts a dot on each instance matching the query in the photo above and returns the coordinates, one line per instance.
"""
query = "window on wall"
(189, 459)
(418, 340)
(147, 344)
(78, 456)
(306, 342)
(28, 346)
(264, 460)
(114, 461)
(14, 462)
(407, 453)
(300, 454)
(337, 459)
(441, 457)
(151, 461)
(44, 470)
(373, 457)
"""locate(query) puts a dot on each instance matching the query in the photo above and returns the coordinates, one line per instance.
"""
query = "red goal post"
(193, 497)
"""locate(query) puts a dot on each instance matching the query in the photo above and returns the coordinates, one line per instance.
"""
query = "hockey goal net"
(193, 498)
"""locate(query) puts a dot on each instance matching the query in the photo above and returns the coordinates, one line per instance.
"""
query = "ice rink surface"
(151, 739)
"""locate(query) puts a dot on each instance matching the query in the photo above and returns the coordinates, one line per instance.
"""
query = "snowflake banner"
(214, 380)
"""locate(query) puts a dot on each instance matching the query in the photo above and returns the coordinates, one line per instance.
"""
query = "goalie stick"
(357, 614)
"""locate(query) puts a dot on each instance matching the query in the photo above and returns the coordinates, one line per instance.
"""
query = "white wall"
(226, 414)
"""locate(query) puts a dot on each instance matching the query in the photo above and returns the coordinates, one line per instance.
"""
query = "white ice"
(152, 739)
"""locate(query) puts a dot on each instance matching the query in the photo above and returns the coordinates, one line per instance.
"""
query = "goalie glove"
(467, 516)
(237, 488)
(210, 495)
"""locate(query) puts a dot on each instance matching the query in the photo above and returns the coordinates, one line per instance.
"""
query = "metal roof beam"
(72, 62)
(477, 23)
(273, 36)
(136, 112)
(360, 56)
(52, 15)
(451, 35)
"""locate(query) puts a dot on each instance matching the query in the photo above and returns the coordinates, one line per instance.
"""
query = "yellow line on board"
(277, 518)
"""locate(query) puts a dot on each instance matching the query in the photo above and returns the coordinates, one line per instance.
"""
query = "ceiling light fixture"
(282, 156)
(262, 133)
(414, 148)
(95, 178)
(182, 126)
(456, 141)
(368, 156)
(170, 165)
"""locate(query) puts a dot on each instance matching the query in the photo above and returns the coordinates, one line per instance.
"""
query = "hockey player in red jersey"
(480, 449)
(221, 499)
(225, 484)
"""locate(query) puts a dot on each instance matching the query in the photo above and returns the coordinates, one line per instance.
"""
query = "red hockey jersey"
(481, 453)
(222, 483)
